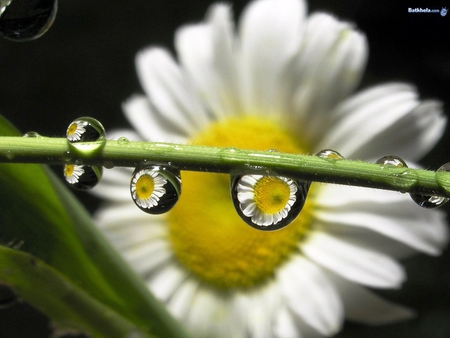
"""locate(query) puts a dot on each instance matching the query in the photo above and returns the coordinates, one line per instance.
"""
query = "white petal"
(389, 213)
(355, 263)
(147, 257)
(359, 124)
(206, 52)
(168, 279)
(310, 294)
(363, 306)
(329, 67)
(271, 32)
(170, 91)
(411, 137)
(259, 307)
(181, 301)
(114, 185)
(150, 125)
(211, 315)
(284, 326)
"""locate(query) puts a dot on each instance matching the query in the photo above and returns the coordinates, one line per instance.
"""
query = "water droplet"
(31, 134)
(330, 153)
(155, 189)
(122, 140)
(9, 155)
(429, 201)
(392, 160)
(24, 20)
(85, 129)
(268, 202)
(108, 165)
(86, 135)
(82, 177)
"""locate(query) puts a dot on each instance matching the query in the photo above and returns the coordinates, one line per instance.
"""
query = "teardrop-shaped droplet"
(24, 20)
(268, 202)
(86, 136)
(82, 177)
(155, 189)
(330, 153)
(428, 201)
(392, 160)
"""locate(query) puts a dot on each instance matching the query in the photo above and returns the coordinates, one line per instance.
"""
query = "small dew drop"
(155, 189)
(429, 201)
(9, 155)
(268, 203)
(82, 177)
(24, 20)
(330, 154)
(122, 140)
(31, 134)
(392, 160)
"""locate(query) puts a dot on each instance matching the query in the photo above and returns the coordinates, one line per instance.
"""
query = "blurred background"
(84, 66)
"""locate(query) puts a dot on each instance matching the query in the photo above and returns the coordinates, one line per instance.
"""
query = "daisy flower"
(279, 80)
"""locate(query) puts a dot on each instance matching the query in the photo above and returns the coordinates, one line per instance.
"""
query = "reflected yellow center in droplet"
(72, 129)
(145, 186)
(271, 194)
(69, 169)
(208, 236)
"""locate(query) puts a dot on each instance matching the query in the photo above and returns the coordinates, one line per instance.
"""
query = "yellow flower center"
(208, 236)
(145, 187)
(72, 129)
(69, 169)
(271, 194)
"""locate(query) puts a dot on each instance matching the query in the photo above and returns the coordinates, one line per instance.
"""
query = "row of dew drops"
(155, 189)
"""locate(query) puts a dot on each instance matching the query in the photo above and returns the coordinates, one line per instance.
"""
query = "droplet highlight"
(330, 154)
(392, 160)
(268, 202)
(82, 177)
(429, 201)
(155, 189)
(25, 20)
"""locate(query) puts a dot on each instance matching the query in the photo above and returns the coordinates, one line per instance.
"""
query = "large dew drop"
(82, 177)
(155, 189)
(268, 202)
(86, 136)
(24, 20)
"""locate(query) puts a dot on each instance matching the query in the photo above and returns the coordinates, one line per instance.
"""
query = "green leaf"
(70, 307)
(39, 215)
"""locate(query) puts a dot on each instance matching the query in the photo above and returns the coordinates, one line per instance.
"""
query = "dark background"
(84, 66)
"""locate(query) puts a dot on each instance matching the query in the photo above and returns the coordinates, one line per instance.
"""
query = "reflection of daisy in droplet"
(147, 187)
(266, 199)
(75, 130)
(281, 81)
(73, 172)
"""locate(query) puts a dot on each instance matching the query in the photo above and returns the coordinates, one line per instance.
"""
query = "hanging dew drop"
(86, 136)
(155, 189)
(432, 202)
(82, 177)
(330, 154)
(268, 202)
(24, 20)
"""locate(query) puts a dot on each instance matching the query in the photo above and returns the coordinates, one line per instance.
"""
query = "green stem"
(125, 153)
